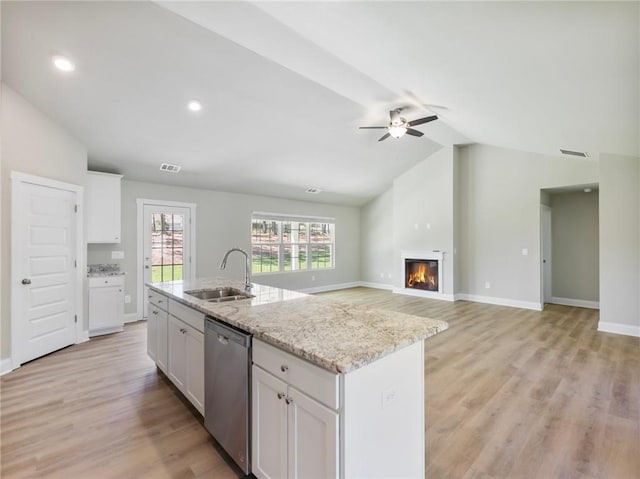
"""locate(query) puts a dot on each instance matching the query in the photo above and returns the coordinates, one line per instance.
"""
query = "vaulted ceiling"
(285, 85)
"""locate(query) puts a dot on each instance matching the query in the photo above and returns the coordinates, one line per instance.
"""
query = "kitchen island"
(337, 389)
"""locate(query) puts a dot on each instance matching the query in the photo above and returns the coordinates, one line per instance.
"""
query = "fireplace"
(421, 274)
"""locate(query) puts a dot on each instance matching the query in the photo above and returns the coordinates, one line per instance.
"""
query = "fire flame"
(420, 276)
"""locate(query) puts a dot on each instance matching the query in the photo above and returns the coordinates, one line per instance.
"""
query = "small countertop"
(102, 274)
(339, 337)
(102, 270)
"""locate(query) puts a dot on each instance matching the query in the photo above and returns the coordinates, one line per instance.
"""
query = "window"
(283, 243)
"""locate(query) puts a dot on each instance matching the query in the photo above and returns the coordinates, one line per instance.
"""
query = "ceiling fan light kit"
(399, 126)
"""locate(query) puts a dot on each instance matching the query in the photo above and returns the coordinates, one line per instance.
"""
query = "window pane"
(295, 257)
(294, 232)
(321, 257)
(263, 231)
(265, 259)
(320, 232)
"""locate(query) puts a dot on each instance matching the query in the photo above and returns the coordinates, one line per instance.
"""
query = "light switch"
(525, 252)
(117, 255)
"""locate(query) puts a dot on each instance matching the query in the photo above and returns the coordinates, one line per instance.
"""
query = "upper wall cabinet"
(103, 207)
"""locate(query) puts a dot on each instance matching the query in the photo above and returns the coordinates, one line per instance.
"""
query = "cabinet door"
(269, 426)
(195, 368)
(162, 346)
(177, 353)
(106, 307)
(103, 207)
(312, 438)
(152, 333)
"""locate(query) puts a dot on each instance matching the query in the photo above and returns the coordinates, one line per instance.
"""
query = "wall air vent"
(313, 191)
(581, 154)
(170, 168)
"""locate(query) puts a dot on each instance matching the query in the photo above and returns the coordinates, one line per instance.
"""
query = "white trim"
(330, 287)
(618, 328)
(514, 303)
(580, 303)
(5, 366)
(83, 337)
(366, 284)
(141, 203)
(130, 318)
(80, 247)
(288, 217)
(424, 293)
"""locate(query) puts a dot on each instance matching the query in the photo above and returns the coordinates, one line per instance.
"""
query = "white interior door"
(167, 244)
(546, 253)
(44, 261)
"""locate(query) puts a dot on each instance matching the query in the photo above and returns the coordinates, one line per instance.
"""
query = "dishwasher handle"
(226, 334)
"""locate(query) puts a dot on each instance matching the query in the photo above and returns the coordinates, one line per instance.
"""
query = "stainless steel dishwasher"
(227, 373)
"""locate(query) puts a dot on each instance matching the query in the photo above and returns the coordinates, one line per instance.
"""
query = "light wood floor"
(510, 394)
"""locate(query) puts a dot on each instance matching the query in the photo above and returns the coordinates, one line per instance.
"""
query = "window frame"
(281, 245)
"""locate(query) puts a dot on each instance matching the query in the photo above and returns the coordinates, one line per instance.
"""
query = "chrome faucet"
(247, 274)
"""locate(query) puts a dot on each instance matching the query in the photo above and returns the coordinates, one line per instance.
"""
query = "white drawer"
(193, 318)
(159, 300)
(104, 281)
(319, 383)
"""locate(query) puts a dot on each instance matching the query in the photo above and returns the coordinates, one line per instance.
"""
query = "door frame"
(141, 203)
(544, 231)
(17, 246)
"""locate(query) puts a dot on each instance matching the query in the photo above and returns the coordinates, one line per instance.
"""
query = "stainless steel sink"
(218, 295)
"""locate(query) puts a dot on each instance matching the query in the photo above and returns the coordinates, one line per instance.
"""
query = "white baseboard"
(618, 328)
(424, 294)
(84, 336)
(330, 287)
(580, 303)
(499, 301)
(5, 366)
(366, 284)
(130, 318)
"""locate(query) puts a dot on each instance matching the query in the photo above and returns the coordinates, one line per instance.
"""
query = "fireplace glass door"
(421, 274)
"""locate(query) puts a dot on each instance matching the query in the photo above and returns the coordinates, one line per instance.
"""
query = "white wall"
(620, 244)
(31, 143)
(224, 221)
(377, 251)
(423, 212)
(500, 198)
(575, 247)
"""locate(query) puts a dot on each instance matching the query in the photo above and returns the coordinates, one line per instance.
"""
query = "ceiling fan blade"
(373, 127)
(420, 121)
(385, 137)
(412, 132)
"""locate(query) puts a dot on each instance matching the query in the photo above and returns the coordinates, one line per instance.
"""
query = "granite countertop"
(336, 336)
(102, 270)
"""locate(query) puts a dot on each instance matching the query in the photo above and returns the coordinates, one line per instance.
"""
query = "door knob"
(26, 281)
(146, 267)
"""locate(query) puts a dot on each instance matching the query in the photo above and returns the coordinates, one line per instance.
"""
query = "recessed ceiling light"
(63, 64)
(194, 105)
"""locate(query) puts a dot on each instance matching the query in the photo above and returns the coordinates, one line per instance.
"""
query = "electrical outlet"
(416, 226)
(127, 298)
(428, 226)
(381, 275)
(487, 285)
(313, 278)
(388, 396)
(525, 252)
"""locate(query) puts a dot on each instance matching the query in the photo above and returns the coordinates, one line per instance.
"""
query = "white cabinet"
(106, 305)
(157, 324)
(103, 199)
(186, 361)
(293, 435)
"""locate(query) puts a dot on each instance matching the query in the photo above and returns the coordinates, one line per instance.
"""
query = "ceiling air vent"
(313, 191)
(170, 168)
(581, 154)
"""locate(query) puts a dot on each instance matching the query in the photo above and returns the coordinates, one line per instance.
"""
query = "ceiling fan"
(398, 125)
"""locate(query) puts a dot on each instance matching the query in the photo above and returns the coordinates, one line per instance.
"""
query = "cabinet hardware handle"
(280, 395)
(106, 281)
(284, 368)
(154, 312)
(26, 281)
(119, 291)
(182, 330)
(288, 400)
